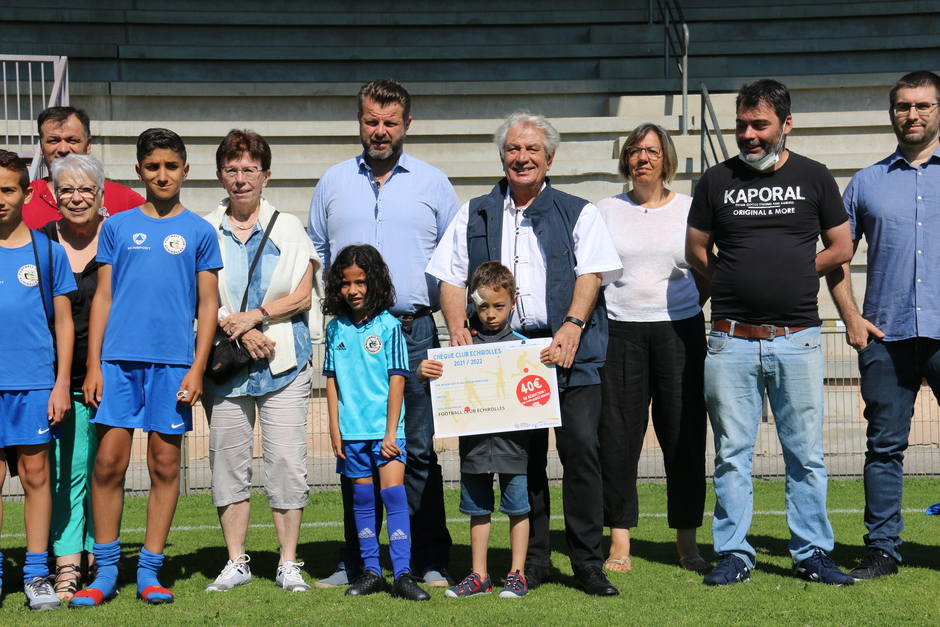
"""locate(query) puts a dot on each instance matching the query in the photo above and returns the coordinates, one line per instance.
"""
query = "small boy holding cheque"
(493, 290)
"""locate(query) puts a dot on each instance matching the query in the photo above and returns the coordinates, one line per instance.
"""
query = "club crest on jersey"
(373, 344)
(28, 276)
(174, 244)
(139, 238)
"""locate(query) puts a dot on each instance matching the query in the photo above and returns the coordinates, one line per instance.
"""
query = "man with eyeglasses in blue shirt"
(895, 204)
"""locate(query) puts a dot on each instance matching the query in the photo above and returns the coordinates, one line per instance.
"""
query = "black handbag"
(227, 357)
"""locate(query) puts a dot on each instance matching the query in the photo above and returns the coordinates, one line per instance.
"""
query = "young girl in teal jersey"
(366, 365)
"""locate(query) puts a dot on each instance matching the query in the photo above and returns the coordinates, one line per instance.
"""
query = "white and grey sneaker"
(234, 574)
(289, 577)
(40, 595)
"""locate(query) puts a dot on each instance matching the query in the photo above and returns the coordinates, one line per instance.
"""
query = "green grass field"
(657, 592)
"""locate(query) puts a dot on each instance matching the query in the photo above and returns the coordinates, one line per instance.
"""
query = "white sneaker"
(289, 577)
(40, 595)
(234, 574)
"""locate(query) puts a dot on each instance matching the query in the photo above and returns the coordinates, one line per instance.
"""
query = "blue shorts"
(363, 457)
(140, 395)
(24, 417)
(476, 494)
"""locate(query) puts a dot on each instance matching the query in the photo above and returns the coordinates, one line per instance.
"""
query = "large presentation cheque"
(491, 388)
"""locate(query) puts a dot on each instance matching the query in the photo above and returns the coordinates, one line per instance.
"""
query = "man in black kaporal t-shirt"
(764, 210)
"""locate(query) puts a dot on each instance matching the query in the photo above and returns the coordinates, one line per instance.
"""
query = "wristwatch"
(577, 321)
(267, 316)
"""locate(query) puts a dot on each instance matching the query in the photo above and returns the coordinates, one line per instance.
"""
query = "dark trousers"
(658, 363)
(892, 374)
(577, 441)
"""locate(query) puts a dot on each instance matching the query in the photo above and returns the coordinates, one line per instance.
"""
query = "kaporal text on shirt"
(762, 194)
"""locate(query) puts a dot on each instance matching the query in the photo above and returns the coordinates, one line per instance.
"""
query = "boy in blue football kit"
(35, 278)
(493, 291)
(145, 368)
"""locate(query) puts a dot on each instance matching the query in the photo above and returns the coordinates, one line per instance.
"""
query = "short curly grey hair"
(523, 118)
(78, 165)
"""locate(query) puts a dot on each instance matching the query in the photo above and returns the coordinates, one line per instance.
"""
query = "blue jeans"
(424, 481)
(477, 497)
(891, 378)
(790, 368)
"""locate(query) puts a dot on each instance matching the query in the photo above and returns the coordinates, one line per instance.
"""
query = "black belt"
(537, 333)
(409, 319)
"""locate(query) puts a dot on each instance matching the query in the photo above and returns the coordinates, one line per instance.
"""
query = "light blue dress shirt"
(404, 220)
(897, 208)
(256, 379)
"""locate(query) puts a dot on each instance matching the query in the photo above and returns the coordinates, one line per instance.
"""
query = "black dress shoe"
(595, 582)
(405, 587)
(536, 575)
(367, 583)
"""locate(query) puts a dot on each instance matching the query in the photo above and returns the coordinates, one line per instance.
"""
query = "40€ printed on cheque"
(492, 388)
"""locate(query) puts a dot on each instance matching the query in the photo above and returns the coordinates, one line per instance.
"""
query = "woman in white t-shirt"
(656, 351)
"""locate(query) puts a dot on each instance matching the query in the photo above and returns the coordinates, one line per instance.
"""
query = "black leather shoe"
(536, 575)
(367, 583)
(595, 582)
(405, 587)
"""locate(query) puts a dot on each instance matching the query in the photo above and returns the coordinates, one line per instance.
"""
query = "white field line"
(334, 523)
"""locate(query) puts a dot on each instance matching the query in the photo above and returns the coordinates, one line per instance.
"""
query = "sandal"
(694, 563)
(68, 578)
(625, 564)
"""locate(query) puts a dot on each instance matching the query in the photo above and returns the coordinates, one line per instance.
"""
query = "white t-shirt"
(657, 283)
(523, 255)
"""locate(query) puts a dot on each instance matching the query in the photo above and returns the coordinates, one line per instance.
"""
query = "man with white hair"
(561, 254)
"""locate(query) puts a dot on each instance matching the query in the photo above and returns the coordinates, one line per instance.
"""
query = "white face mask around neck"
(769, 160)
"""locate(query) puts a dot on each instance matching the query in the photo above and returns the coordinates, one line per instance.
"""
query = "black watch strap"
(576, 321)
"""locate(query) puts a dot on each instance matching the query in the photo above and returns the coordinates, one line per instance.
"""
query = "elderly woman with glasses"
(656, 351)
(78, 184)
(276, 385)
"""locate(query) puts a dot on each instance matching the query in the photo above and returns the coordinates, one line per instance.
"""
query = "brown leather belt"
(753, 332)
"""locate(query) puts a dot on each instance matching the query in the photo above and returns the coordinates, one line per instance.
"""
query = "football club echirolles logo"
(373, 344)
(174, 244)
(28, 276)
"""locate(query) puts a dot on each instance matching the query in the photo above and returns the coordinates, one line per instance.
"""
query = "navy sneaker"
(729, 569)
(515, 587)
(820, 568)
(876, 564)
(471, 586)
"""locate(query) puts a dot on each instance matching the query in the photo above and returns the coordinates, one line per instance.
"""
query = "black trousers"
(660, 363)
(578, 449)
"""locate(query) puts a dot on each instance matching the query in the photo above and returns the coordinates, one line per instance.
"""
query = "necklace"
(652, 204)
(232, 221)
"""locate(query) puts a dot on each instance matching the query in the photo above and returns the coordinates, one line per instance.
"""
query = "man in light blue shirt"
(402, 206)
(895, 204)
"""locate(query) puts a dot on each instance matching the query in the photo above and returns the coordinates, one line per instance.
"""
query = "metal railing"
(710, 126)
(27, 79)
(844, 439)
(675, 49)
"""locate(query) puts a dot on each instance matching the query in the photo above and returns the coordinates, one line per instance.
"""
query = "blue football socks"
(106, 558)
(147, 567)
(35, 566)
(399, 528)
(364, 513)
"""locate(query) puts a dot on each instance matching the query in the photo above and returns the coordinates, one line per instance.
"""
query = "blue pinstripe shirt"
(404, 220)
(897, 208)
